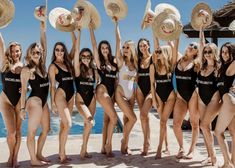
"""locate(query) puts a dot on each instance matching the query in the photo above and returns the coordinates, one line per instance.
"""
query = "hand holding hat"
(201, 16)
(7, 12)
(148, 17)
(40, 13)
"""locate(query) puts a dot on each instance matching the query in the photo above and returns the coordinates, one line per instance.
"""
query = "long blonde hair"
(8, 61)
(134, 57)
(30, 63)
(167, 54)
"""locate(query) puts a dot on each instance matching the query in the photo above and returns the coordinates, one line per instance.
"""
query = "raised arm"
(43, 39)
(94, 45)
(52, 72)
(201, 46)
(72, 51)
(175, 54)
(118, 44)
(152, 85)
(2, 50)
(76, 55)
(155, 41)
(24, 77)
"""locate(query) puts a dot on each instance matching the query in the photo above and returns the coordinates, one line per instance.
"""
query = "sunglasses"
(124, 47)
(58, 50)
(36, 53)
(193, 46)
(158, 51)
(207, 52)
(87, 57)
(144, 45)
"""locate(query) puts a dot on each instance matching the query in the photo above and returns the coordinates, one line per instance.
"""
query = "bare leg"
(45, 123)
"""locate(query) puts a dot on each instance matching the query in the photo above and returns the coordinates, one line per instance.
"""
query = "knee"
(133, 119)
(218, 133)
(176, 125)
(204, 126)
(194, 124)
(32, 133)
(143, 117)
(11, 135)
(46, 131)
(66, 125)
(163, 122)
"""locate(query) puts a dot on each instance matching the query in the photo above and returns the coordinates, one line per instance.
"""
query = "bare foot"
(145, 150)
(42, 158)
(84, 155)
(15, 164)
(166, 152)
(189, 156)
(9, 162)
(180, 154)
(228, 165)
(123, 147)
(209, 161)
(38, 163)
(159, 154)
(108, 149)
(64, 160)
(103, 151)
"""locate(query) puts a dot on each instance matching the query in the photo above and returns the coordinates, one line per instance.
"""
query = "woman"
(124, 94)
(186, 98)
(62, 98)
(85, 80)
(161, 72)
(208, 99)
(107, 69)
(143, 94)
(11, 65)
(35, 74)
(226, 116)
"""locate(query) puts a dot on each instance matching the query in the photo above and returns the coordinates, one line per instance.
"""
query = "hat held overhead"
(83, 11)
(61, 19)
(167, 25)
(116, 8)
(7, 11)
(148, 17)
(40, 13)
(201, 16)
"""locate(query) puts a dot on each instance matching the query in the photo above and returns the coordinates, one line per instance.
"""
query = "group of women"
(203, 80)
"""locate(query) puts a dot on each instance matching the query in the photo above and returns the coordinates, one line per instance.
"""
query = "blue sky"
(25, 28)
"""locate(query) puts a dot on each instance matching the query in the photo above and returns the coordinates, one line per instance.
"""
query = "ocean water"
(77, 123)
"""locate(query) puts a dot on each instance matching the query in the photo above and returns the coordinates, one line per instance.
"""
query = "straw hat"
(117, 8)
(40, 13)
(61, 19)
(83, 11)
(7, 11)
(147, 12)
(167, 27)
(201, 15)
(232, 26)
(167, 8)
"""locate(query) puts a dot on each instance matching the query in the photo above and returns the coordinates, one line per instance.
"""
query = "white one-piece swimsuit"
(126, 79)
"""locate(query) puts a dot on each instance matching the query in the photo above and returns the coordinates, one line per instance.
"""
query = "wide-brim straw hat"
(232, 26)
(61, 19)
(40, 13)
(147, 11)
(167, 27)
(7, 11)
(167, 8)
(201, 16)
(116, 8)
(89, 12)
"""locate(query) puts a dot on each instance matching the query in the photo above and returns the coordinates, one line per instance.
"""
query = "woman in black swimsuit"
(62, 97)
(9, 99)
(208, 99)
(226, 118)
(85, 79)
(143, 94)
(36, 105)
(161, 72)
(186, 98)
(107, 69)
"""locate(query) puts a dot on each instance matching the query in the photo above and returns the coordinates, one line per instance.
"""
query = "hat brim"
(167, 8)
(122, 6)
(147, 9)
(232, 26)
(158, 30)
(7, 12)
(53, 16)
(94, 15)
(196, 24)
(85, 20)
(40, 17)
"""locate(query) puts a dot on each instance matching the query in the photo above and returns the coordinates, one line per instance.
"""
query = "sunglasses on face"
(124, 47)
(87, 57)
(158, 51)
(207, 52)
(193, 46)
(36, 53)
(58, 50)
(144, 45)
